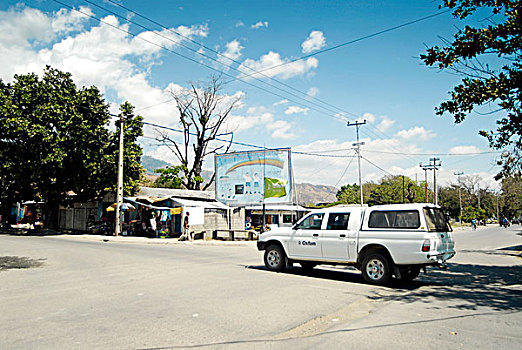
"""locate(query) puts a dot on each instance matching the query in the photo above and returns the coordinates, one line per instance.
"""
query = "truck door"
(304, 241)
(335, 237)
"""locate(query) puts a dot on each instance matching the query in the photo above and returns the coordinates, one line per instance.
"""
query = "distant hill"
(150, 164)
(313, 194)
(307, 193)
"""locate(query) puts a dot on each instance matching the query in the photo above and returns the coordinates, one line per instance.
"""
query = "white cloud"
(232, 52)
(282, 68)
(237, 123)
(282, 102)
(239, 24)
(280, 128)
(295, 109)
(259, 24)
(385, 123)
(314, 42)
(369, 117)
(464, 150)
(99, 55)
(313, 91)
(417, 133)
(163, 153)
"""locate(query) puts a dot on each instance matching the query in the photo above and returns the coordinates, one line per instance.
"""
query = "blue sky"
(380, 79)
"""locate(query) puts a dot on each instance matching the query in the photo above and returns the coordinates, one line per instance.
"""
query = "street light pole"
(358, 144)
(119, 192)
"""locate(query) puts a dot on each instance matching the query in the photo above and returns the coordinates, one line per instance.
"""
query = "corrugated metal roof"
(172, 192)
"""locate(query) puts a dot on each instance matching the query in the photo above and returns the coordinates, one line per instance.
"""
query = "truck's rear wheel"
(376, 268)
(275, 258)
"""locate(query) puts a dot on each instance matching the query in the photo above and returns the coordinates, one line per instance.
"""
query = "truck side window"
(408, 219)
(312, 222)
(338, 221)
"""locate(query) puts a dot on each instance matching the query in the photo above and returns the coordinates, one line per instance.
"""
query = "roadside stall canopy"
(151, 206)
(203, 204)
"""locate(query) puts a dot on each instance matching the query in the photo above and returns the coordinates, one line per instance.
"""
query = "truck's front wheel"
(376, 268)
(275, 258)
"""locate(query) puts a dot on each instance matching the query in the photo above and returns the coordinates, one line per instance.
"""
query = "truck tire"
(376, 268)
(307, 265)
(409, 273)
(275, 258)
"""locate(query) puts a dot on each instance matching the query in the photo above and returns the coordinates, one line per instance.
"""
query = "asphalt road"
(83, 293)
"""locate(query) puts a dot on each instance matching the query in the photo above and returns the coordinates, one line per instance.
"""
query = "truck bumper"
(261, 245)
(440, 258)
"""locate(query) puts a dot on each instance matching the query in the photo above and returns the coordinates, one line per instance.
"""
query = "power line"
(344, 172)
(193, 60)
(347, 43)
(435, 154)
(239, 143)
(307, 100)
(256, 72)
(378, 167)
(217, 53)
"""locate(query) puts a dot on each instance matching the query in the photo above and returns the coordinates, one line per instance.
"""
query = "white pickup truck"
(381, 241)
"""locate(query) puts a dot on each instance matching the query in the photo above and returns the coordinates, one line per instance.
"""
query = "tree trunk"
(52, 215)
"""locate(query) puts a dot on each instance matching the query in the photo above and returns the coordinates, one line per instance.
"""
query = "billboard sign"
(247, 178)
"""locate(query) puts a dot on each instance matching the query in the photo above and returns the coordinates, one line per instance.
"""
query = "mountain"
(313, 194)
(150, 164)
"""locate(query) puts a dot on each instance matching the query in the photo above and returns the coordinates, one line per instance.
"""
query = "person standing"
(186, 227)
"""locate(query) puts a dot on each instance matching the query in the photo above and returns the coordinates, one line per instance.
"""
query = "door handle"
(342, 235)
(315, 235)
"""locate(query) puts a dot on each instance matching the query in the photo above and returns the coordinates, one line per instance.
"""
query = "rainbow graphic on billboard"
(273, 162)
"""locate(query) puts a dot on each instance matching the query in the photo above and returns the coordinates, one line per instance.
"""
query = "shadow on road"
(468, 287)
(36, 232)
(461, 286)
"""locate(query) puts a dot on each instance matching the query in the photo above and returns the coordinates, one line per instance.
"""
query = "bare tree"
(203, 112)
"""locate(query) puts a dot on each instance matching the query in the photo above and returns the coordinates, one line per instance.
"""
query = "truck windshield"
(436, 220)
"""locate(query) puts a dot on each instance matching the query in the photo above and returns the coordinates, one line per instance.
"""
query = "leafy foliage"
(483, 83)
(389, 190)
(54, 141)
(170, 177)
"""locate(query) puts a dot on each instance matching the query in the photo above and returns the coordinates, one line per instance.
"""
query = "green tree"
(390, 190)
(54, 141)
(512, 196)
(350, 194)
(489, 59)
(169, 177)
(449, 200)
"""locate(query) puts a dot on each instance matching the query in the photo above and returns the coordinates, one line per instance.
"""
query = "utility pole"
(358, 144)
(458, 173)
(402, 189)
(119, 192)
(478, 194)
(435, 165)
(425, 168)
(432, 165)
